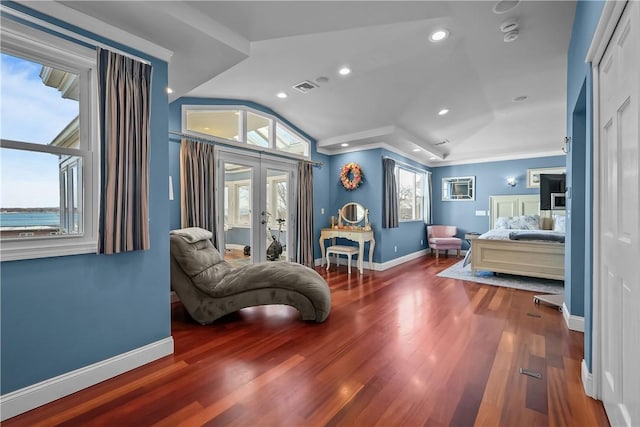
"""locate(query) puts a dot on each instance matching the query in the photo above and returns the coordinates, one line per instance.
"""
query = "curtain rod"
(406, 164)
(236, 145)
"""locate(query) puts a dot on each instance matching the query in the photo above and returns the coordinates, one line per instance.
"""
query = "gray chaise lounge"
(210, 287)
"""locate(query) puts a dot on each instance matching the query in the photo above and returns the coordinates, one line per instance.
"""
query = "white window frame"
(242, 124)
(32, 44)
(415, 210)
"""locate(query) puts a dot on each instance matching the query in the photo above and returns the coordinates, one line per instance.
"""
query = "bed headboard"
(520, 204)
(513, 205)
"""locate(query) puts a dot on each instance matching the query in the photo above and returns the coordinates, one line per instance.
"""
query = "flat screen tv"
(552, 191)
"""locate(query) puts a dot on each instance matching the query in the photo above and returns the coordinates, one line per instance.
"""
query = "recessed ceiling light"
(344, 144)
(415, 150)
(344, 71)
(282, 95)
(206, 128)
(443, 112)
(432, 158)
(439, 35)
(169, 90)
(520, 98)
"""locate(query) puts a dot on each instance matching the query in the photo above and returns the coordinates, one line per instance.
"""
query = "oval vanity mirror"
(352, 212)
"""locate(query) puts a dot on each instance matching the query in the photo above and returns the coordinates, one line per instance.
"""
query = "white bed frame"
(524, 258)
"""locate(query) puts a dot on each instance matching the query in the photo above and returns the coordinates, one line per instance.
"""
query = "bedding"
(537, 235)
(544, 235)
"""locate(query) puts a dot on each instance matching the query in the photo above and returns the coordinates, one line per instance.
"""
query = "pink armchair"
(443, 237)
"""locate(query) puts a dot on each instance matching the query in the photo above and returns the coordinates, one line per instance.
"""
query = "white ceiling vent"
(305, 86)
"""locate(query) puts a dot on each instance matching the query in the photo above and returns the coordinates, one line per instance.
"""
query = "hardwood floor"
(401, 347)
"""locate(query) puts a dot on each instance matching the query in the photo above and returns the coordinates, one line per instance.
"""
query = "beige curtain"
(124, 86)
(197, 180)
(304, 210)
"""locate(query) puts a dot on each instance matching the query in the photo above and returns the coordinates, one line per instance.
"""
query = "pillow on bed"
(525, 222)
(502, 223)
(559, 223)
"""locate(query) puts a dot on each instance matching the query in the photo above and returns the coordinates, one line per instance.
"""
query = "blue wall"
(409, 237)
(491, 180)
(580, 159)
(61, 314)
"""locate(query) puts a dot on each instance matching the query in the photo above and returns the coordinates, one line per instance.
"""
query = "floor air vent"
(305, 86)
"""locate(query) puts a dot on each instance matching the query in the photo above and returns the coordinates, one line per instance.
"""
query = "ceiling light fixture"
(504, 6)
(169, 90)
(415, 150)
(439, 35)
(511, 36)
(282, 95)
(433, 158)
(344, 71)
(443, 112)
(344, 144)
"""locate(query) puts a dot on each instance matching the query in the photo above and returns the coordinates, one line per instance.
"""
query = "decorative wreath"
(351, 176)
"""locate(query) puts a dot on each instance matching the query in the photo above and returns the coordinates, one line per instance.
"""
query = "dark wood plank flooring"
(401, 347)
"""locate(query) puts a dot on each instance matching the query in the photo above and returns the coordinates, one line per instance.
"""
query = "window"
(276, 200)
(237, 204)
(410, 194)
(48, 155)
(243, 125)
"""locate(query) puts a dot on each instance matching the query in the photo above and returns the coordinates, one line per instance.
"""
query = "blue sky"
(31, 112)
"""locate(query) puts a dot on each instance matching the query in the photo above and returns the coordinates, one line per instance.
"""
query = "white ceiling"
(251, 50)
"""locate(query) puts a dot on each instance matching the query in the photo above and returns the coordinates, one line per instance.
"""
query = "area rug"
(547, 286)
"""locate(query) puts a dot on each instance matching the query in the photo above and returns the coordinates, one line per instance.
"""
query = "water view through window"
(39, 187)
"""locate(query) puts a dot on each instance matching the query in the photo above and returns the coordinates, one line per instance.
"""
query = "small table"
(469, 237)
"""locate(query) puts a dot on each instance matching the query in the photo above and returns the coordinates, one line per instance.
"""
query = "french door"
(255, 205)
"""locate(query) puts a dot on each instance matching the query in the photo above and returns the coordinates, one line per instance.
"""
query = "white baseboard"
(587, 379)
(575, 323)
(376, 265)
(400, 260)
(25, 399)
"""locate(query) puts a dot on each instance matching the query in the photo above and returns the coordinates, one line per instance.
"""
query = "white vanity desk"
(351, 213)
(356, 235)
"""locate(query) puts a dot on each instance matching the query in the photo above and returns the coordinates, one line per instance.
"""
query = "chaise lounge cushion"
(209, 287)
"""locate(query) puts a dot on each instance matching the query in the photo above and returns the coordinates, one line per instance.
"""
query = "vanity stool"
(349, 251)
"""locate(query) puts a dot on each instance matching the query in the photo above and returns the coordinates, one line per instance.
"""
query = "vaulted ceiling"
(399, 80)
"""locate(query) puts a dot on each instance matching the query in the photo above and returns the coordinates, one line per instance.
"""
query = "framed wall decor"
(533, 175)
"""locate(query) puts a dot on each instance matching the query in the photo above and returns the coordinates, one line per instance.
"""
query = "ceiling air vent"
(305, 86)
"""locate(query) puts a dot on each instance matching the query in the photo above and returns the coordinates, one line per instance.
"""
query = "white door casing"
(616, 297)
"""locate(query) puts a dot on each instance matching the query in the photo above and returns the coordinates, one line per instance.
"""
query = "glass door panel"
(278, 215)
(238, 213)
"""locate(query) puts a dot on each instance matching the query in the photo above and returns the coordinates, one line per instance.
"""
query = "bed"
(495, 251)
